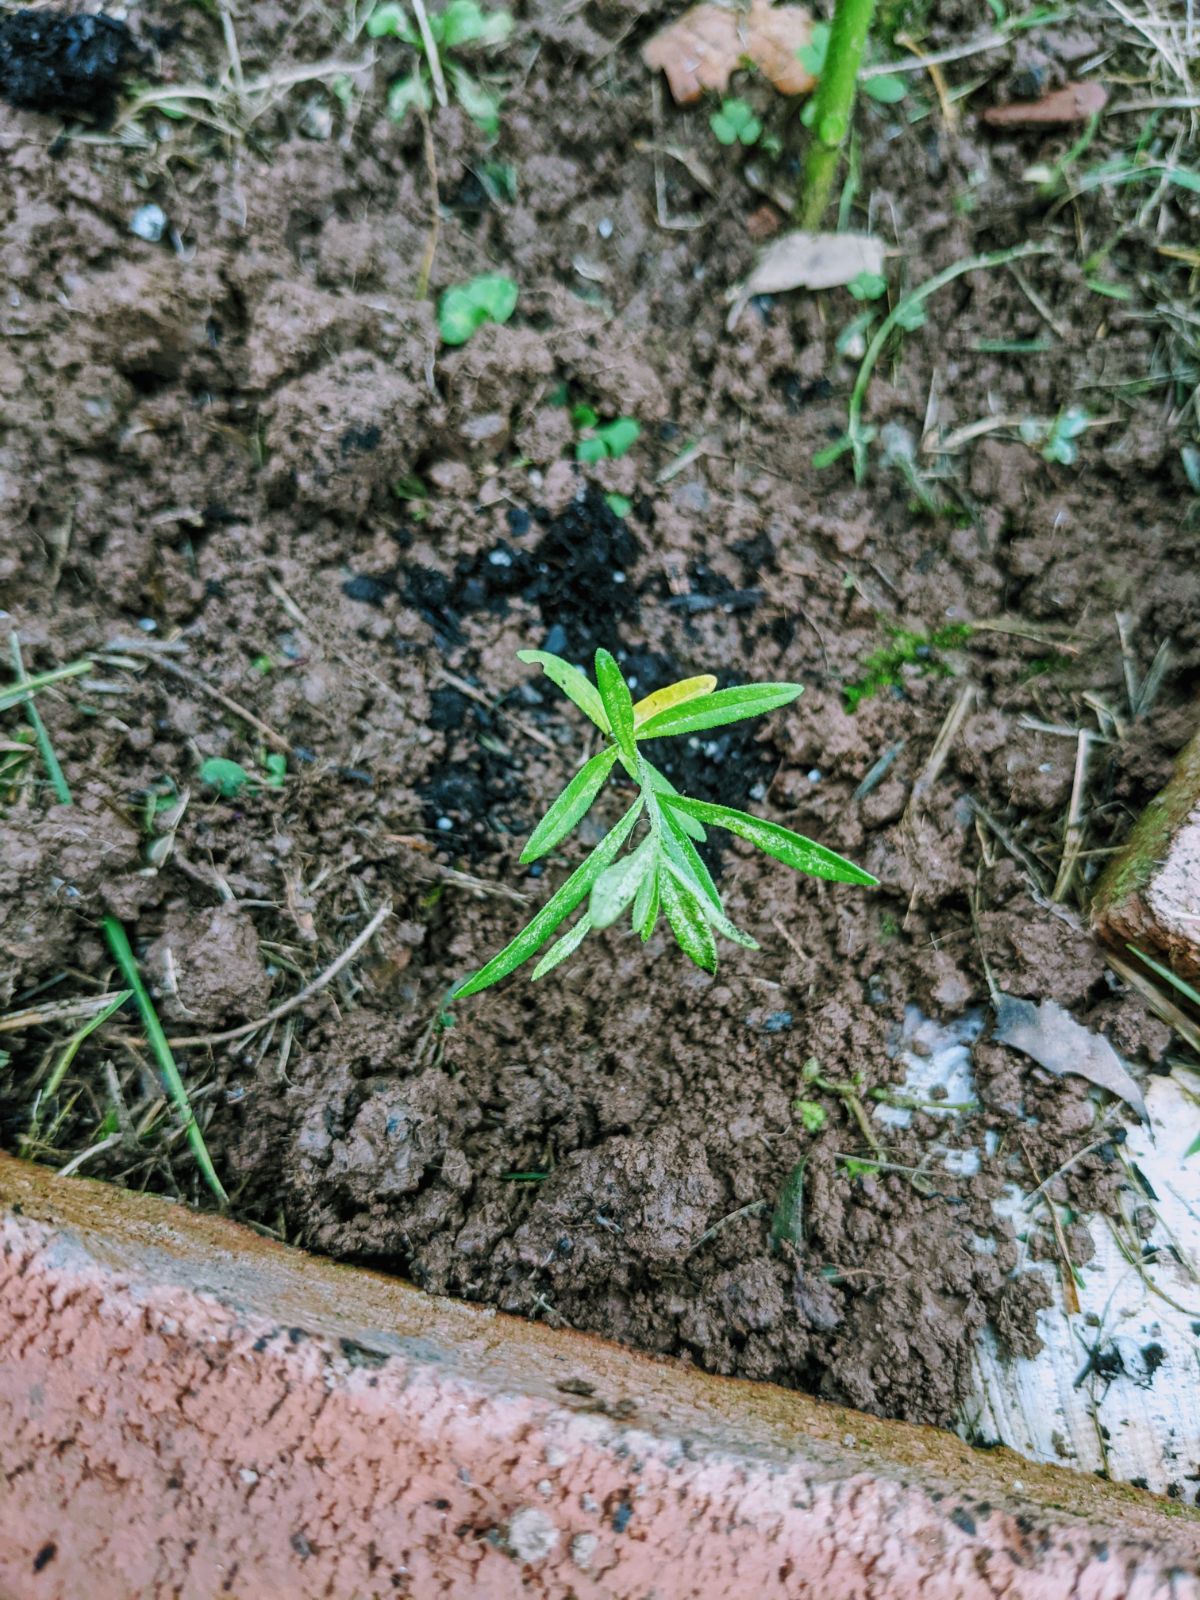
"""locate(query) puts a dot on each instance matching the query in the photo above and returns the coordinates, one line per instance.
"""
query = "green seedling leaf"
(714, 710)
(407, 94)
(619, 504)
(619, 436)
(564, 947)
(812, 1115)
(684, 854)
(617, 886)
(735, 122)
(275, 766)
(228, 778)
(491, 298)
(557, 908)
(664, 786)
(887, 90)
(392, 22)
(571, 681)
(688, 922)
(833, 452)
(481, 105)
(590, 450)
(812, 55)
(868, 286)
(645, 905)
(584, 417)
(618, 703)
(909, 315)
(464, 23)
(795, 851)
(572, 805)
(714, 915)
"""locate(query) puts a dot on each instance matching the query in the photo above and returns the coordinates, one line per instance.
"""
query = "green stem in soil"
(834, 106)
(71, 1050)
(118, 943)
(902, 312)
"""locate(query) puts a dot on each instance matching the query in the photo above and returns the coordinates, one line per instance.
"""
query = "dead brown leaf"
(1052, 1037)
(704, 46)
(1074, 102)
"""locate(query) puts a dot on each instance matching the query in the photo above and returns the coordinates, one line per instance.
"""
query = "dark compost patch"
(244, 456)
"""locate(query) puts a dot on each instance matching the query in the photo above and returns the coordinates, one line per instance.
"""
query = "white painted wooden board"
(1138, 1419)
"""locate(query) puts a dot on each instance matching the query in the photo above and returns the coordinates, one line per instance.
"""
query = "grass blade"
(571, 806)
(118, 943)
(618, 703)
(675, 694)
(559, 905)
(688, 922)
(714, 710)
(26, 687)
(571, 681)
(1173, 978)
(793, 849)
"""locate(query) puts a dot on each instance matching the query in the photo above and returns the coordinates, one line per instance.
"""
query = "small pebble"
(147, 625)
(149, 223)
(814, 776)
(445, 825)
(605, 228)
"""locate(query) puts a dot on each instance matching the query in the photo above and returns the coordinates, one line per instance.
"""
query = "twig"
(29, 686)
(196, 682)
(1017, 851)
(57, 1011)
(435, 216)
(431, 53)
(297, 1000)
(231, 46)
(752, 1210)
(1070, 1291)
(941, 747)
(76, 1162)
(1073, 835)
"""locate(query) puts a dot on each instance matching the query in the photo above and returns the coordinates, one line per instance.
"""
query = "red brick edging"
(189, 1410)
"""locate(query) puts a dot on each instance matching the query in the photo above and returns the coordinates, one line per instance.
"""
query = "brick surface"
(1150, 893)
(189, 1410)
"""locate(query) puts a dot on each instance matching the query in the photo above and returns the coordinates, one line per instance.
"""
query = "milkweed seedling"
(462, 26)
(664, 872)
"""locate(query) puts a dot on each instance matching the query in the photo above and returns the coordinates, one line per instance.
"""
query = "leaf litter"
(1049, 1034)
(704, 46)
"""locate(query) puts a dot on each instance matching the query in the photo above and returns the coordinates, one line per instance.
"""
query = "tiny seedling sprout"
(735, 123)
(664, 872)
(462, 26)
(602, 441)
(466, 307)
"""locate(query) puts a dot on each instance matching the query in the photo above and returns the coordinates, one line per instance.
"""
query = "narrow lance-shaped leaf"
(714, 914)
(645, 904)
(662, 785)
(675, 694)
(618, 703)
(564, 947)
(713, 710)
(617, 885)
(572, 804)
(679, 846)
(571, 681)
(687, 921)
(791, 848)
(559, 905)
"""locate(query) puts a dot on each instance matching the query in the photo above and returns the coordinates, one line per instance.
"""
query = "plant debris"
(1052, 1037)
(703, 47)
(814, 261)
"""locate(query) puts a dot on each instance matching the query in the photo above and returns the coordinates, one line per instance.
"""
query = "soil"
(238, 471)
